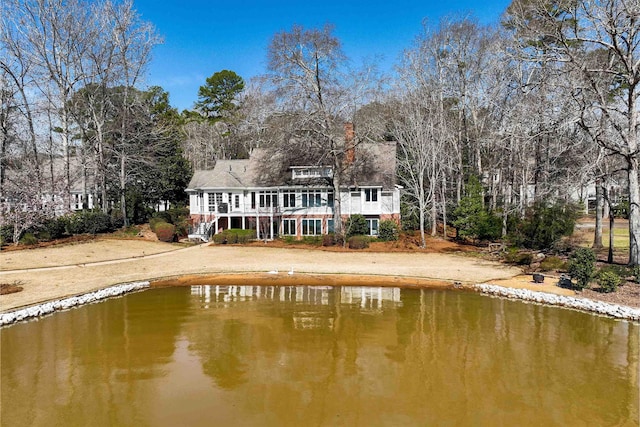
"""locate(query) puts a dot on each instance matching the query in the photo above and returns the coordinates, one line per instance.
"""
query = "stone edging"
(612, 310)
(66, 303)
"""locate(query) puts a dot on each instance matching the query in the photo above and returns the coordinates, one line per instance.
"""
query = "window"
(330, 227)
(268, 199)
(236, 201)
(289, 199)
(311, 198)
(311, 227)
(289, 227)
(373, 226)
(371, 194)
(330, 199)
(215, 200)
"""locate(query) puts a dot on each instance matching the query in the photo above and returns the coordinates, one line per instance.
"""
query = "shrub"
(28, 239)
(357, 226)
(635, 271)
(582, 267)
(388, 230)
(551, 263)
(163, 216)
(608, 280)
(544, 225)
(245, 236)
(234, 235)
(513, 256)
(177, 215)
(358, 242)
(54, 228)
(329, 239)
(219, 238)
(6, 234)
(155, 221)
(89, 222)
(312, 240)
(471, 219)
(165, 231)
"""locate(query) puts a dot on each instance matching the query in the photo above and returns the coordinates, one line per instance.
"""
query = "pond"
(291, 356)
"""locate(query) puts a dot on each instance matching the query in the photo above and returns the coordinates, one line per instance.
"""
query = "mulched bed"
(627, 294)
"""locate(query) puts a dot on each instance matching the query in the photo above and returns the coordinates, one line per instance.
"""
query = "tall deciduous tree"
(306, 67)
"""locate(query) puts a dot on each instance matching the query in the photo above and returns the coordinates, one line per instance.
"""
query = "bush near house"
(234, 235)
(175, 216)
(166, 232)
(356, 226)
(153, 222)
(89, 222)
(28, 239)
(388, 230)
(358, 242)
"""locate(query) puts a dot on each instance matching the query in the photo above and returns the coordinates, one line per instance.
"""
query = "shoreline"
(47, 275)
(615, 311)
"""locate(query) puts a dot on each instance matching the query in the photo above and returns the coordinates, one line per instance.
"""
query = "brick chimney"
(349, 143)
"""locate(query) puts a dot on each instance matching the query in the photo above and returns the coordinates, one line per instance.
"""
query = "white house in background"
(299, 202)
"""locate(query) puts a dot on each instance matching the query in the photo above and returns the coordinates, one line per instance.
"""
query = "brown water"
(282, 356)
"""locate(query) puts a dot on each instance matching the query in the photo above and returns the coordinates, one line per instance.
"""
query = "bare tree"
(598, 43)
(306, 68)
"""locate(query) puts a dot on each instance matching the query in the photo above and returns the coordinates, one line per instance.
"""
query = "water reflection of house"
(304, 298)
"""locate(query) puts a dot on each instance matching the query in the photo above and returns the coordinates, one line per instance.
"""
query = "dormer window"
(305, 172)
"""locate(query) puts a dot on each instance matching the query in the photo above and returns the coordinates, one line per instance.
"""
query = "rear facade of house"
(300, 202)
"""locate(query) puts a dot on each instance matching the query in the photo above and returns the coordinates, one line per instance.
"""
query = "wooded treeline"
(533, 109)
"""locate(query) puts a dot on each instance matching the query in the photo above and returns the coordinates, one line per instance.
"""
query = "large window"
(268, 199)
(215, 201)
(370, 194)
(373, 226)
(311, 198)
(289, 199)
(311, 227)
(289, 227)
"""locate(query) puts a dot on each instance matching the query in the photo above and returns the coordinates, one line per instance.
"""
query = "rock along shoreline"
(597, 307)
(583, 304)
(70, 302)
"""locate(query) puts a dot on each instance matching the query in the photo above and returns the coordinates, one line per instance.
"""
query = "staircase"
(201, 231)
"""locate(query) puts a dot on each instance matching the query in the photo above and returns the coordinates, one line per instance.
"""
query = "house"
(298, 201)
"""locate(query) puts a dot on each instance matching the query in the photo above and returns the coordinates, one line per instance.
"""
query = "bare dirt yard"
(84, 265)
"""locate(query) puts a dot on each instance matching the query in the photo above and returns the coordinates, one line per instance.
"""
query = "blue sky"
(202, 37)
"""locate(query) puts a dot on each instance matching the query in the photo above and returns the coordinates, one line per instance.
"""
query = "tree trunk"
(123, 198)
(634, 212)
(597, 238)
(444, 207)
(423, 242)
(611, 225)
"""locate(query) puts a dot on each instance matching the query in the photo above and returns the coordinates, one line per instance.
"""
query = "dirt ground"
(84, 265)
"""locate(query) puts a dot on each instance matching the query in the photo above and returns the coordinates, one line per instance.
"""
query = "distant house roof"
(374, 165)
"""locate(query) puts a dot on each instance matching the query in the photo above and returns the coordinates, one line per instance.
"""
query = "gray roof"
(374, 165)
(225, 174)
